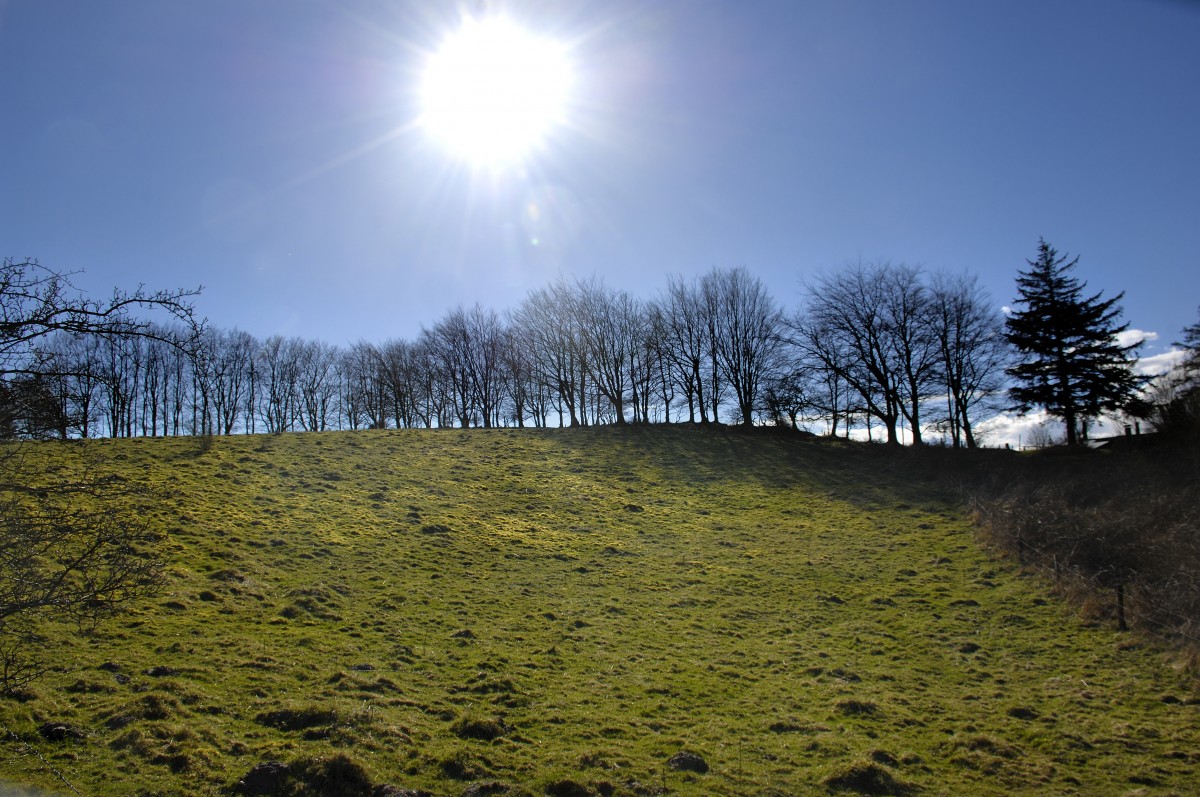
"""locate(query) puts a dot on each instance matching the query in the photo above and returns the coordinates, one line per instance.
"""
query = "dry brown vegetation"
(1116, 531)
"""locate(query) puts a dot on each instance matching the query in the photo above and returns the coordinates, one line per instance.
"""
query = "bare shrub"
(1121, 526)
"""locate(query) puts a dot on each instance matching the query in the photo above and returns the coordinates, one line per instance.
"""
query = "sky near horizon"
(272, 151)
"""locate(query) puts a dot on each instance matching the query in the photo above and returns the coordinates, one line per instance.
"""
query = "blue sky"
(266, 149)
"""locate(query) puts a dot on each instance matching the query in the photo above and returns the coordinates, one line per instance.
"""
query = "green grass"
(552, 610)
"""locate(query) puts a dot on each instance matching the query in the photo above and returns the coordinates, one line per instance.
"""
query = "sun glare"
(493, 91)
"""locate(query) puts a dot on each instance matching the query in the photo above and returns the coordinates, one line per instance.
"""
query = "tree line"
(874, 345)
(884, 347)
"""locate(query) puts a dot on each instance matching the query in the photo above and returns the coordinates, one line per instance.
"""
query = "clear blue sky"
(265, 149)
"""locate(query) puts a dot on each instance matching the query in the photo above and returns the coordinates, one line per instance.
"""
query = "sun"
(493, 91)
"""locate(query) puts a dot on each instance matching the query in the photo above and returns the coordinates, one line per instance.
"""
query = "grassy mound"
(532, 612)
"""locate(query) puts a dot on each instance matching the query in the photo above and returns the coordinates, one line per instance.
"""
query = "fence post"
(1121, 607)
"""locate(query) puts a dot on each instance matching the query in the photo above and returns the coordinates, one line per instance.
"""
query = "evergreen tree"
(1191, 345)
(1068, 359)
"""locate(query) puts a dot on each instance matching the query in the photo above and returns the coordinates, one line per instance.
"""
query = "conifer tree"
(1191, 344)
(1069, 361)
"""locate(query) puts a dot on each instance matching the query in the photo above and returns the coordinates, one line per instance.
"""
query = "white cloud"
(1133, 336)
(1159, 363)
(1019, 431)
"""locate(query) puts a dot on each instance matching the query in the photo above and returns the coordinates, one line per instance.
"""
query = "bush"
(1120, 524)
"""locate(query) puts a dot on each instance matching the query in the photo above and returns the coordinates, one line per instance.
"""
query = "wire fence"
(1161, 598)
(23, 749)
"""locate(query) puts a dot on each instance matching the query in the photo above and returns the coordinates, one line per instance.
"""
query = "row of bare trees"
(875, 345)
(889, 344)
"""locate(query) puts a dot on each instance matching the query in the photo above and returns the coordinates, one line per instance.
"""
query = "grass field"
(567, 611)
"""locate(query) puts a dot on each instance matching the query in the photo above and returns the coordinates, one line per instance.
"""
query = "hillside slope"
(567, 611)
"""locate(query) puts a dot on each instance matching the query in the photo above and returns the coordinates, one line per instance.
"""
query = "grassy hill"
(569, 611)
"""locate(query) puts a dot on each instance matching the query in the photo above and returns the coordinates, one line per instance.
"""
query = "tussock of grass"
(565, 612)
(867, 777)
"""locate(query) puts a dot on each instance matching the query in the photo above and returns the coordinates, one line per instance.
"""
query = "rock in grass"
(856, 708)
(688, 762)
(388, 790)
(288, 719)
(264, 779)
(867, 778)
(569, 788)
(333, 776)
(485, 789)
(483, 729)
(61, 732)
(885, 758)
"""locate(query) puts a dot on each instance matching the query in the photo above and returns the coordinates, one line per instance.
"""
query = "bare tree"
(846, 330)
(687, 342)
(70, 366)
(520, 381)
(450, 341)
(666, 369)
(68, 550)
(316, 384)
(233, 354)
(748, 342)
(610, 322)
(787, 395)
(367, 399)
(972, 352)
(401, 367)
(906, 310)
(486, 337)
(279, 372)
(710, 311)
(552, 332)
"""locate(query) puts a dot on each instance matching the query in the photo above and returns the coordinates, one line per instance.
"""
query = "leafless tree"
(233, 352)
(487, 336)
(748, 340)
(846, 330)
(666, 371)
(551, 331)
(688, 326)
(400, 369)
(788, 395)
(906, 314)
(278, 365)
(68, 550)
(611, 322)
(367, 400)
(450, 342)
(316, 383)
(520, 381)
(969, 334)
